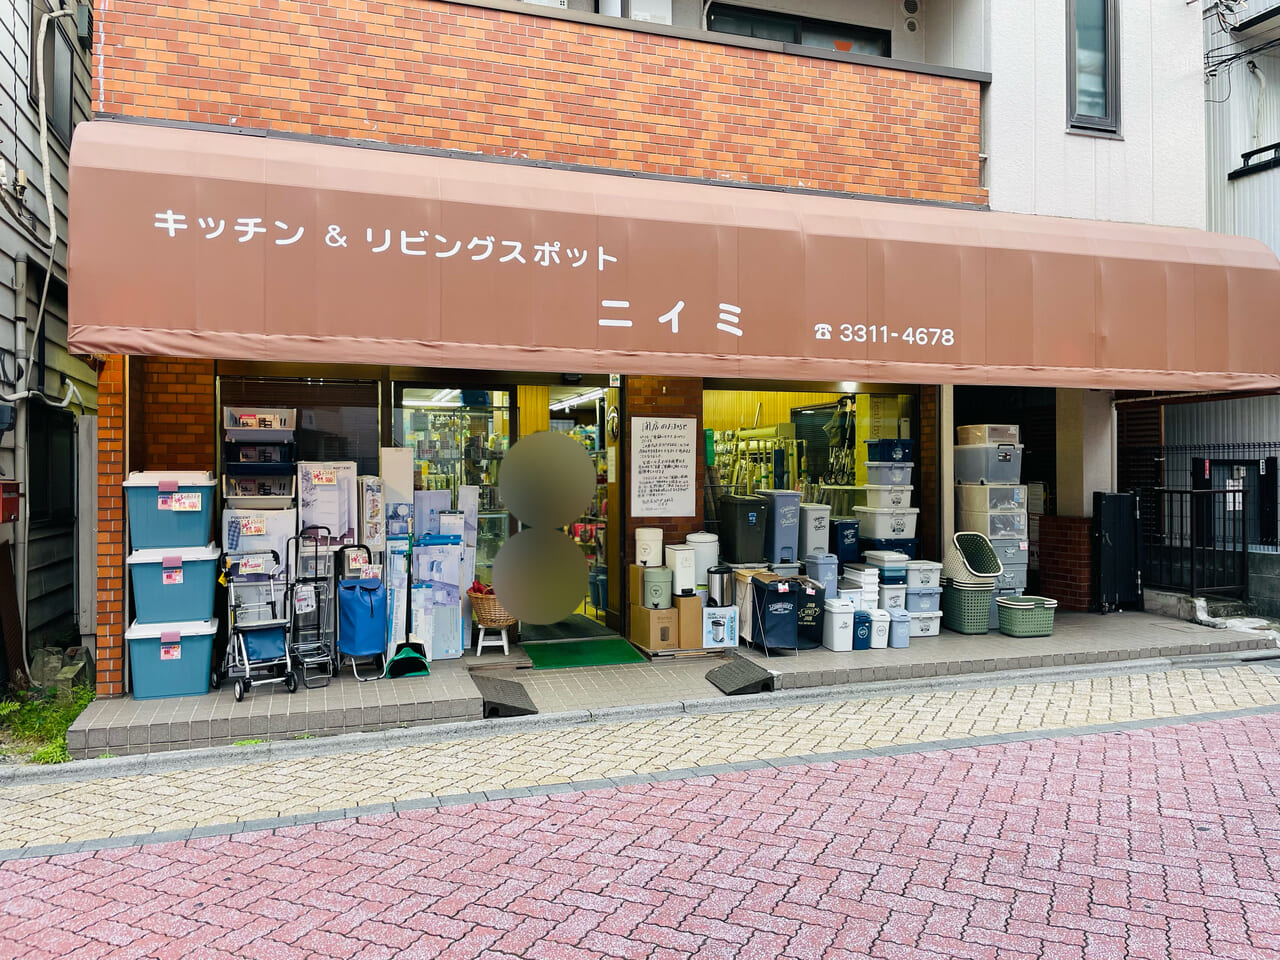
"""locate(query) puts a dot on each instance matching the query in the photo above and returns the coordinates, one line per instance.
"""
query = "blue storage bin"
(173, 584)
(169, 508)
(862, 630)
(844, 540)
(924, 599)
(899, 628)
(903, 546)
(170, 659)
(890, 451)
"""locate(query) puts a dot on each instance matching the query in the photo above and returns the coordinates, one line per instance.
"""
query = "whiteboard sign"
(664, 462)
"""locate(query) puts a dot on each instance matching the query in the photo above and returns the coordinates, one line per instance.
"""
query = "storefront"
(443, 307)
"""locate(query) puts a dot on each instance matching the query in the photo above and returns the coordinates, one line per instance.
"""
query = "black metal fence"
(1236, 468)
(1196, 541)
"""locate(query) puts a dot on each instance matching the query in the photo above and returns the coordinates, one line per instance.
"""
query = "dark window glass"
(825, 34)
(1093, 65)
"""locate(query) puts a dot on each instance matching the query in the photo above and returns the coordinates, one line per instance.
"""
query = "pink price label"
(171, 576)
(253, 526)
(784, 588)
(324, 477)
(185, 502)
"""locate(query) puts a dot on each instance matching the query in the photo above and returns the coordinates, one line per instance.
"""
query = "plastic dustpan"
(408, 662)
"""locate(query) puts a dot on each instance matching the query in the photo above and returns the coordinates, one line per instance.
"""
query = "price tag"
(250, 565)
(356, 560)
(323, 477)
(304, 601)
(372, 571)
(185, 502)
(810, 591)
(784, 588)
(248, 420)
(171, 576)
(164, 501)
(170, 651)
(253, 526)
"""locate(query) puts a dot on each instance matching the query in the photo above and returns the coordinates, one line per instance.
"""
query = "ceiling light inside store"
(579, 399)
(431, 403)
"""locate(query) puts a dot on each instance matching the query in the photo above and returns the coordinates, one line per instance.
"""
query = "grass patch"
(34, 722)
(247, 743)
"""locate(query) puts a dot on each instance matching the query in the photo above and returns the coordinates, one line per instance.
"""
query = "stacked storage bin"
(172, 570)
(991, 500)
(887, 521)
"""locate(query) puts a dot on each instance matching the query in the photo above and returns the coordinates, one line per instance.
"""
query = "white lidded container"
(926, 624)
(706, 548)
(893, 597)
(885, 496)
(879, 629)
(866, 574)
(895, 523)
(888, 473)
(815, 532)
(682, 558)
(837, 627)
(924, 573)
(649, 546)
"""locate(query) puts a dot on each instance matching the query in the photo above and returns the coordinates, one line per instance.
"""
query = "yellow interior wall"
(534, 404)
(731, 409)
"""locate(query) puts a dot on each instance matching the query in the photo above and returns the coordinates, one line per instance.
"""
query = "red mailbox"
(10, 495)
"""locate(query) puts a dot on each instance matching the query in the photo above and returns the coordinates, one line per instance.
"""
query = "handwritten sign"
(189, 502)
(664, 461)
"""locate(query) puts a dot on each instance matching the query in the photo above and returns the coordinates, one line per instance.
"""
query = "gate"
(1196, 541)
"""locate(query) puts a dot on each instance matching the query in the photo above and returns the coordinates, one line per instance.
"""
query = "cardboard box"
(635, 584)
(655, 629)
(689, 610)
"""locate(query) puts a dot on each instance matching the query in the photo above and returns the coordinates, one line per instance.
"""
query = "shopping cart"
(362, 612)
(258, 623)
(310, 601)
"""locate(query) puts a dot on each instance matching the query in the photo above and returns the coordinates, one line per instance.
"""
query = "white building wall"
(1152, 173)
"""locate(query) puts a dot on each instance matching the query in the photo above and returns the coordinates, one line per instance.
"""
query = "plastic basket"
(488, 611)
(971, 559)
(966, 609)
(1026, 616)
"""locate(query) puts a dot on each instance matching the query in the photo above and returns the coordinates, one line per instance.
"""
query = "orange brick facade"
(449, 76)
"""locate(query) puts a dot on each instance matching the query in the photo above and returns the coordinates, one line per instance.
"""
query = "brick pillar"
(927, 482)
(1066, 565)
(663, 397)
(111, 471)
(179, 414)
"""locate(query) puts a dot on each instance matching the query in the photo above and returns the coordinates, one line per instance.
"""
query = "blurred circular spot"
(540, 576)
(547, 480)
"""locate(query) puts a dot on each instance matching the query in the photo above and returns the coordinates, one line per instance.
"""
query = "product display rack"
(259, 462)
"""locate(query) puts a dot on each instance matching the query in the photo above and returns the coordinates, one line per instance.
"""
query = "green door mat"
(554, 655)
(576, 627)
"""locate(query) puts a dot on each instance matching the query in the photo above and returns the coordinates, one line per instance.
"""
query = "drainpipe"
(20, 465)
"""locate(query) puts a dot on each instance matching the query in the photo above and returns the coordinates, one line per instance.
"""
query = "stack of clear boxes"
(991, 500)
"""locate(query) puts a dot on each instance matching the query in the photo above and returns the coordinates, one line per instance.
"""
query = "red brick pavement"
(1145, 844)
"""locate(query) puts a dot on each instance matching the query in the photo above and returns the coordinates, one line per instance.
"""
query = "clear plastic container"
(994, 526)
(990, 497)
(987, 433)
(988, 463)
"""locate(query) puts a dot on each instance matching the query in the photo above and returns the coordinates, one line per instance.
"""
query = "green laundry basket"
(971, 559)
(966, 607)
(1026, 616)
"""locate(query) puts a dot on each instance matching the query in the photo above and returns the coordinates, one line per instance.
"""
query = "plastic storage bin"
(926, 624)
(259, 424)
(169, 508)
(259, 492)
(892, 565)
(170, 659)
(884, 496)
(862, 630)
(879, 628)
(1013, 552)
(890, 451)
(897, 523)
(1013, 578)
(782, 531)
(988, 463)
(893, 596)
(837, 627)
(924, 573)
(987, 433)
(742, 527)
(907, 547)
(844, 539)
(173, 584)
(999, 525)
(888, 473)
(815, 528)
(1026, 616)
(990, 497)
(899, 628)
(923, 599)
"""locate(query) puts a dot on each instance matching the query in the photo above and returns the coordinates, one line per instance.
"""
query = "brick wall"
(444, 75)
(170, 425)
(663, 397)
(927, 482)
(1065, 561)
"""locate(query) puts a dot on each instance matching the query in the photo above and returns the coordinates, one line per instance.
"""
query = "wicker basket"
(1026, 616)
(488, 611)
(966, 607)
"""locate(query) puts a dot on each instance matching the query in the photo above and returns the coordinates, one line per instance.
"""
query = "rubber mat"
(575, 627)
(558, 654)
(503, 698)
(740, 676)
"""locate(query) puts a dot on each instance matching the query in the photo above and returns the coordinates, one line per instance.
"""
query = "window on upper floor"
(1093, 65)
(59, 64)
(786, 28)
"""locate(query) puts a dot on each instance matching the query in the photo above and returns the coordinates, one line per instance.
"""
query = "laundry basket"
(966, 607)
(1026, 616)
(488, 611)
(971, 559)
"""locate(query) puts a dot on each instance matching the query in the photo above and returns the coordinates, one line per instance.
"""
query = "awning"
(198, 244)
